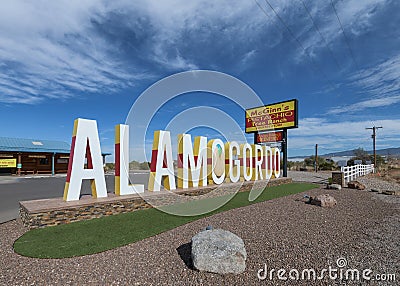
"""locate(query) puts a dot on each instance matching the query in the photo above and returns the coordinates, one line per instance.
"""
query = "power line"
(345, 37)
(286, 26)
(318, 69)
(319, 32)
(262, 9)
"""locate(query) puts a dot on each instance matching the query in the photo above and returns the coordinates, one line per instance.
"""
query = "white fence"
(352, 172)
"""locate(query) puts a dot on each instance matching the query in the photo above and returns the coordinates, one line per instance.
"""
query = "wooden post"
(19, 162)
(373, 136)
(316, 158)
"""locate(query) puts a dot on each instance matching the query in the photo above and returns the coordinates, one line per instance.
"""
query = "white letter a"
(85, 141)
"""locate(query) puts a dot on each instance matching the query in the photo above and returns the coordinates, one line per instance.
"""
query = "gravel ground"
(373, 181)
(311, 177)
(364, 228)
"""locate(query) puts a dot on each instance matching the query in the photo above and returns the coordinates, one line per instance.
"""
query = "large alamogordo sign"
(207, 162)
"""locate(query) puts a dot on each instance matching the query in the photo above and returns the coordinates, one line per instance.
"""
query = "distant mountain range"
(383, 152)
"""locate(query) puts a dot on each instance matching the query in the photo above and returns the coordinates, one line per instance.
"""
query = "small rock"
(375, 190)
(355, 185)
(218, 251)
(209, 227)
(325, 201)
(334, 187)
(391, 193)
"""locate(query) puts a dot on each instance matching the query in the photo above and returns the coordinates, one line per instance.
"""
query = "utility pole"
(316, 158)
(373, 136)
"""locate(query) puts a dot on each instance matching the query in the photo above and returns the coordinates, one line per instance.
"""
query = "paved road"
(13, 190)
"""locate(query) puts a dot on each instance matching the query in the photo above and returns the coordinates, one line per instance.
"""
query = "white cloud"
(247, 58)
(175, 63)
(381, 83)
(382, 79)
(47, 50)
(371, 103)
(341, 136)
(64, 48)
(355, 16)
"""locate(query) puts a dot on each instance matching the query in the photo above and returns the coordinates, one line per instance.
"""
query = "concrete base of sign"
(50, 212)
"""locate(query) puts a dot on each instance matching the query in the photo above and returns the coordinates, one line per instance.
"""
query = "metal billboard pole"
(284, 150)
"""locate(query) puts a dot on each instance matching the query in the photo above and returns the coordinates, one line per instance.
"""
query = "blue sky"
(60, 60)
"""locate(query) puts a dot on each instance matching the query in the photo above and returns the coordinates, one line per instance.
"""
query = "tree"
(327, 165)
(134, 165)
(379, 160)
(323, 164)
(310, 161)
(290, 165)
(109, 166)
(361, 154)
(144, 166)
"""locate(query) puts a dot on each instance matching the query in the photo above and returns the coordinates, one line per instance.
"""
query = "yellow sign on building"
(8, 163)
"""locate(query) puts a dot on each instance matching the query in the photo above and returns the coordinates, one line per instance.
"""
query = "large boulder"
(356, 185)
(325, 201)
(218, 251)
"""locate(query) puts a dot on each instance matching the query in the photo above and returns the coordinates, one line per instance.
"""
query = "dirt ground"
(392, 175)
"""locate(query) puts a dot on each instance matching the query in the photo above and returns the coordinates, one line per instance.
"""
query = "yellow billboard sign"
(281, 115)
(8, 163)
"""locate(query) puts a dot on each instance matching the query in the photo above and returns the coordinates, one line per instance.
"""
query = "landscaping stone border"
(50, 212)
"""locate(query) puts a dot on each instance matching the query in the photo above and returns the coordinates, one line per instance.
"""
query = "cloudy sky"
(60, 60)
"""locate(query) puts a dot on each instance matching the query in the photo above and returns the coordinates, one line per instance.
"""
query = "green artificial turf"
(97, 235)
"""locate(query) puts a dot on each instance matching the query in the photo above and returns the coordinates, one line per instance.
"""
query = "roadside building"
(27, 156)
